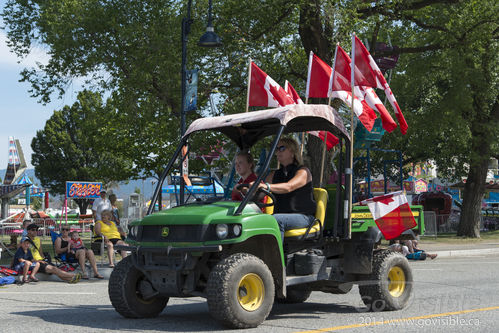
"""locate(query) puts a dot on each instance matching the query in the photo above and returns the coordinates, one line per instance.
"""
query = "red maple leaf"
(384, 200)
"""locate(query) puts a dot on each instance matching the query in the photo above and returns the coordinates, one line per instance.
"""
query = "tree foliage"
(76, 145)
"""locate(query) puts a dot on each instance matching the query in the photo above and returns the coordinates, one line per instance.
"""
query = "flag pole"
(310, 57)
(349, 171)
(329, 93)
(303, 134)
(249, 83)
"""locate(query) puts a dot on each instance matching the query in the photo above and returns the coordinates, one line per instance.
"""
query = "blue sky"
(20, 115)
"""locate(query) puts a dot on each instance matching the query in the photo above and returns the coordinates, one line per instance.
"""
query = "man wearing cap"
(101, 204)
(38, 256)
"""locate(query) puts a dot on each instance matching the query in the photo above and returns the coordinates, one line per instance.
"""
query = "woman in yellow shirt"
(110, 234)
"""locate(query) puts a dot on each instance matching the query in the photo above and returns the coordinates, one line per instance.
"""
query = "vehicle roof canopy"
(245, 129)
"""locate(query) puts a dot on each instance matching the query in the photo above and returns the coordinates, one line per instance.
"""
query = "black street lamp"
(208, 39)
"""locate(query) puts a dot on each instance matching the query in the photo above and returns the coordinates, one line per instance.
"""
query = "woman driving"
(292, 187)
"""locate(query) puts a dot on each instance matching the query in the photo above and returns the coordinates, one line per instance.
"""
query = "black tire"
(125, 296)
(227, 291)
(379, 293)
(295, 294)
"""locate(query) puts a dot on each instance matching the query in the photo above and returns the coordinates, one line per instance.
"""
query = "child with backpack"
(23, 261)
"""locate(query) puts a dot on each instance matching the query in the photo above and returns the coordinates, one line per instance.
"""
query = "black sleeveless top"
(300, 200)
(64, 243)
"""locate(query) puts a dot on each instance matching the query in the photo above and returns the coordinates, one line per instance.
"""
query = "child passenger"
(23, 261)
(76, 242)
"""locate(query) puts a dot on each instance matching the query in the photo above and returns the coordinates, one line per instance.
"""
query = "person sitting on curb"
(110, 234)
(397, 247)
(23, 261)
(75, 250)
(12, 245)
(416, 253)
(45, 267)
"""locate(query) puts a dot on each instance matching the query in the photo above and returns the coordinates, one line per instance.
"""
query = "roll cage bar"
(245, 129)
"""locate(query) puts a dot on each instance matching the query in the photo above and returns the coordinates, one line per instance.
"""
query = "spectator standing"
(100, 204)
(45, 267)
(23, 261)
(114, 209)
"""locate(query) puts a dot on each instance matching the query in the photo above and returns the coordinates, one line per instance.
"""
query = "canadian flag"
(288, 88)
(264, 91)
(331, 139)
(339, 87)
(369, 95)
(318, 77)
(392, 214)
(320, 81)
(371, 76)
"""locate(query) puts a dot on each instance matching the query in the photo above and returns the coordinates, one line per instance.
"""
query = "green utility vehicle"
(232, 254)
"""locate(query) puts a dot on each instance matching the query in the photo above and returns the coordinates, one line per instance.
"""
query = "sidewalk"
(460, 249)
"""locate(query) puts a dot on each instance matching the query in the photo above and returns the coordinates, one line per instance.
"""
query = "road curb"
(465, 253)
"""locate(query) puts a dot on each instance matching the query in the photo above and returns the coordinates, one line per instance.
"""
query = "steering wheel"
(255, 197)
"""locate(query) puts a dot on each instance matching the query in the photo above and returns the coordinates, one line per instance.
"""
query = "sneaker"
(76, 278)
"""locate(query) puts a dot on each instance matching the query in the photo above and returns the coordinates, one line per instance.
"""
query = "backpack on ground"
(7, 280)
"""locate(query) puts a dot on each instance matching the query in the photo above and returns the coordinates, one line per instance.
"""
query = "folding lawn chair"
(98, 246)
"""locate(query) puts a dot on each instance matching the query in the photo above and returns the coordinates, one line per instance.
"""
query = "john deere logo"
(165, 232)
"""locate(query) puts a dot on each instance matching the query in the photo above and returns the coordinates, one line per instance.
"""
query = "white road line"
(427, 269)
(44, 293)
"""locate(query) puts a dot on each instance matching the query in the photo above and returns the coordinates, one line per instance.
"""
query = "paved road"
(451, 294)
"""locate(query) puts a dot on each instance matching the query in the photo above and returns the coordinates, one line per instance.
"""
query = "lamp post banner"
(80, 190)
(191, 90)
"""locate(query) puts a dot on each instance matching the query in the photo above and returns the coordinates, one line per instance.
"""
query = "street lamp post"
(208, 39)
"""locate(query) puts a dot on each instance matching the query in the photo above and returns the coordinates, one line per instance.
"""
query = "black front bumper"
(173, 271)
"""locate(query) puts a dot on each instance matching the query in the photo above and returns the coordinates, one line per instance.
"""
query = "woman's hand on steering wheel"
(261, 189)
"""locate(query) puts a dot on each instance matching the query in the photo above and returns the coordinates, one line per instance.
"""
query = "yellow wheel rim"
(250, 292)
(396, 281)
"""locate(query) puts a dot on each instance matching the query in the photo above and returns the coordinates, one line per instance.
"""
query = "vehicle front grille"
(177, 233)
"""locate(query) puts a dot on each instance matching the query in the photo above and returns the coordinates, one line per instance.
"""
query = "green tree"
(452, 91)
(37, 203)
(74, 146)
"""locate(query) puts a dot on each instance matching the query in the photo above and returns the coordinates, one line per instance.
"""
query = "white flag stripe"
(379, 209)
(310, 58)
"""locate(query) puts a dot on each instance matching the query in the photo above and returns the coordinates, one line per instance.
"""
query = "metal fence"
(46, 225)
(435, 224)
(430, 223)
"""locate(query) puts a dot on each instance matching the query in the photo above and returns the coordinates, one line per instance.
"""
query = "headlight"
(133, 231)
(236, 229)
(222, 230)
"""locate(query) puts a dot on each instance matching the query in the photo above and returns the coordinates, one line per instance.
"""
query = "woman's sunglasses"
(65, 229)
(281, 148)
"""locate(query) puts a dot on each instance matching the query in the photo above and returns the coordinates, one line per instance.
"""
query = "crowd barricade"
(430, 223)
(46, 225)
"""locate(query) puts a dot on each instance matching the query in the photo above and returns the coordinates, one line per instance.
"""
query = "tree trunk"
(469, 223)
(82, 205)
(313, 160)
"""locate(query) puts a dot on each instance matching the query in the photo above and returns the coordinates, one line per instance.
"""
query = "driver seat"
(321, 197)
